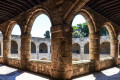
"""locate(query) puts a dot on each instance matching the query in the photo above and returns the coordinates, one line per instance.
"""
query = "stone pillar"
(82, 53)
(94, 50)
(61, 52)
(25, 49)
(6, 49)
(48, 51)
(37, 51)
(114, 49)
(19, 49)
(2, 48)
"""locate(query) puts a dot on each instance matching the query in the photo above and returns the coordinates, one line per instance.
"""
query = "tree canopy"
(81, 30)
(47, 34)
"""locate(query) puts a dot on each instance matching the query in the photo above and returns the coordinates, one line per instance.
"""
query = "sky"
(42, 24)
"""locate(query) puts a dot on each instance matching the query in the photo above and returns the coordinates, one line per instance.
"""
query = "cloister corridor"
(89, 50)
(10, 73)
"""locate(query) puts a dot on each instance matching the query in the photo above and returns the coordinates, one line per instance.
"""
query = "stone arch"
(14, 47)
(33, 47)
(88, 17)
(86, 48)
(110, 29)
(105, 48)
(43, 48)
(33, 15)
(76, 48)
(10, 27)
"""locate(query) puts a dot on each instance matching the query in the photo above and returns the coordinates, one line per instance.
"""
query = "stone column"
(6, 49)
(82, 52)
(94, 50)
(37, 51)
(61, 52)
(19, 49)
(114, 49)
(25, 49)
(2, 48)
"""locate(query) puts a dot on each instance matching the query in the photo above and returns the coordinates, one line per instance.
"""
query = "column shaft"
(61, 53)
(114, 48)
(94, 50)
(6, 49)
(25, 49)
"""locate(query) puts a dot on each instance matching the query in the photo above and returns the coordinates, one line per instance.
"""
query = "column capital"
(60, 28)
(25, 35)
(94, 36)
(6, 38)
(114, 40)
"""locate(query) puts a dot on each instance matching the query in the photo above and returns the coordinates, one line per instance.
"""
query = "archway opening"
(104, 43)
(15, 41)
(80, 35)
(14, 47)
(43, 48)
(41, 33)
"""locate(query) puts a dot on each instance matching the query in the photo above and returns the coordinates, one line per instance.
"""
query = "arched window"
(76, 48)
(80, 31)
(14, 47)
(43, 48)
(86, 48)
(33, 47)
(41, 31)
(104, 46)
(104, 49)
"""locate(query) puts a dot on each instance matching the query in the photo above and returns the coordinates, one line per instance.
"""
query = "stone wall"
(84, 67)
(83, 49)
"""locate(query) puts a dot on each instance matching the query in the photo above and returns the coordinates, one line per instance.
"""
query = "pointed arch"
(43, 48)
(33, 15)
(76, 48)
(10, 27)
(110, 29)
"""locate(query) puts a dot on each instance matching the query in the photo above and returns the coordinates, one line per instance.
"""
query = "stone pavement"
(108, 74)
(9, 73)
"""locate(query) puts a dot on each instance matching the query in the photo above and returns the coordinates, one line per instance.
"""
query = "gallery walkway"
(9, 73)
(108, 74)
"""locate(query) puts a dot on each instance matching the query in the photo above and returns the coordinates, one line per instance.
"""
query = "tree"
(104, 32)
(47, 34)
(81, 30)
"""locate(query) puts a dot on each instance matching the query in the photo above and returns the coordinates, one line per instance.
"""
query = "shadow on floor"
(100, 76)
(11, 76)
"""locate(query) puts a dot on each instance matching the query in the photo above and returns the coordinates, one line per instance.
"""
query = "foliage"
(47, 34)
(104, 32)
(81, 30)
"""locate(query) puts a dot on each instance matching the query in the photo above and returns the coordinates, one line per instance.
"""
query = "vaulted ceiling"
(107, 8)
(11, 8)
